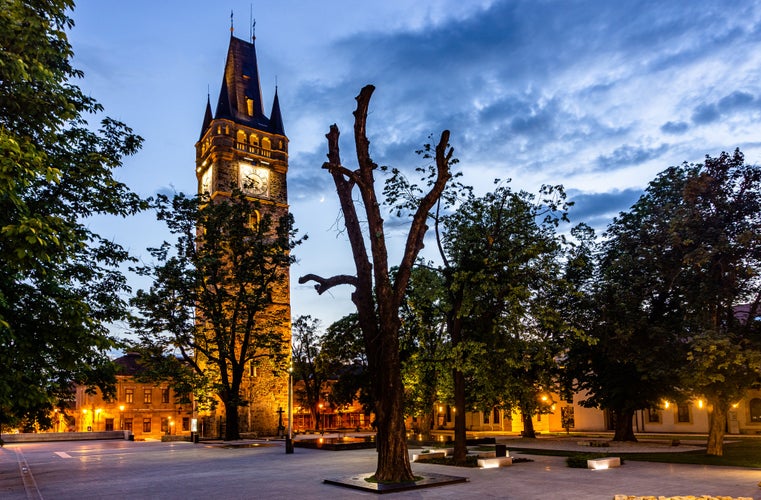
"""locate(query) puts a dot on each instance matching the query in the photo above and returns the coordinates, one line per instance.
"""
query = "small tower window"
(250, 106)
(253, 140)
(253, 220)
(241, 138)
(266, 144)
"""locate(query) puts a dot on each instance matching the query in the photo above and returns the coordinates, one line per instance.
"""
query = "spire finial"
(252, 22)
(232, 28)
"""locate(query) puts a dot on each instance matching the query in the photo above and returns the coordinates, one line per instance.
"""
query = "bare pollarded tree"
(376, 295)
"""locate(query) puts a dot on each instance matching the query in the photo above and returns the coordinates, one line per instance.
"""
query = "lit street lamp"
(321, 420)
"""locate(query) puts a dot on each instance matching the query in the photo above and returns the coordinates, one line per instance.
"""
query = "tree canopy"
(212, 295)
(60, 285)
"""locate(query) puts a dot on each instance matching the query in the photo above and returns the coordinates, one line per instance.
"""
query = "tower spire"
(232, 27)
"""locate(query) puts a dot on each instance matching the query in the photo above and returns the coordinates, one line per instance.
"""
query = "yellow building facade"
(146, 409)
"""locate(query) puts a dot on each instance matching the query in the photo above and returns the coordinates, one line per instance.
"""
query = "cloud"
(676, 128)
(630, 155)
(598, 209)
(737, 101)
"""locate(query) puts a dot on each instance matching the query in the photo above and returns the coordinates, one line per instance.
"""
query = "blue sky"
(596, 95)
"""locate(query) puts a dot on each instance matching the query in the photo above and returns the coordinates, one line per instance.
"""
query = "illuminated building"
(241, 147)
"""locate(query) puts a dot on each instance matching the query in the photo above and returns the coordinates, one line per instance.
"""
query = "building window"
(109, 424)
(252, 366)
(165, 395)
(147, 396)
(653, 416)
(683, 413)
(164, 425)
(129, 396)
(127, 424)
(146, 425)
(755, 410)
(266, 144)
(496, 415)
(486, 417)
(185, 423)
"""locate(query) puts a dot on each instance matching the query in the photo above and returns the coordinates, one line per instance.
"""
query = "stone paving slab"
(138, 470)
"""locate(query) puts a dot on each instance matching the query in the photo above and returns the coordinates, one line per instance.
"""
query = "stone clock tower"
(241, 147)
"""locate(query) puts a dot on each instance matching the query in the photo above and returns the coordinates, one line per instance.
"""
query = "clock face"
(254, 180)
(206, 180)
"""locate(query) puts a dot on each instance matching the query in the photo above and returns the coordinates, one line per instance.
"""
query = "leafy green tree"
(425, 346)
(635, 318)
(60, 286)
(309, 364)
(718, 229)
(502, 261)
(211, 300)
(672, 272)
(344, 351)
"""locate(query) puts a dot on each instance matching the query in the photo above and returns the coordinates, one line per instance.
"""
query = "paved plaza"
(147, 470)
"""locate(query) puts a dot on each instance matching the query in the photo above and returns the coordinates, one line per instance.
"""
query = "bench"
(604, 463)
(422, 457)
(490, 463)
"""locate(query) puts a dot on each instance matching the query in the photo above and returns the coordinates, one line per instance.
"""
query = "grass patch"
(470, 461)
(742, 452)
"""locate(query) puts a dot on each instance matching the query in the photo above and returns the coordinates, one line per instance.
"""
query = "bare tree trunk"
(624, 430)
(378, 299)
(717, 425)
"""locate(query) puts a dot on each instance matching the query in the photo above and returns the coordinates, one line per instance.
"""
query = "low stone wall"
(48, 437)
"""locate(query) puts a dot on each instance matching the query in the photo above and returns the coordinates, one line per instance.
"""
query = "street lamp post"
(321, 420)
(289, 437)
(121, 417)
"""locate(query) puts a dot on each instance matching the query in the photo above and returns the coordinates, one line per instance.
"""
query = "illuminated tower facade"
(241, 147)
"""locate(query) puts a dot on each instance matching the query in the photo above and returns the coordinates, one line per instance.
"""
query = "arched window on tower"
(254, 219)
(755, 410)
(241, 138)
(253, 140)
(266, 144)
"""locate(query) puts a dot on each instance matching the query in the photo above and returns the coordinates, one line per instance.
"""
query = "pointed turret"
(276, 119)
(240, 98)
(207, 117)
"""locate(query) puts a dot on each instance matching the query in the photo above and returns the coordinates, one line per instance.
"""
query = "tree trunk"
(315, 417)
(232, 424)
(376, 298)
(460, 436)
(624, 429)
(717, 425)
(391, 438)
(425, 422)
(528, 425)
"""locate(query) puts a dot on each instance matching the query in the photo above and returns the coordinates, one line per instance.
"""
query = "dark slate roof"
(129, 364)
(207, 118)
(239, 83)
(276, 119)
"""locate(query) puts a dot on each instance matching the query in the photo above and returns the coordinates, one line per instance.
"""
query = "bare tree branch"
(325, 284)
